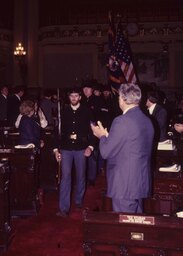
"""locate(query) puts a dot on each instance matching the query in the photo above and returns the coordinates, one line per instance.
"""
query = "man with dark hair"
(3, 103)
(75, 145)
(89, 99)
(93, 103)
(127, 148)
(107, 112)
(106, 116)
(48, 107)
(14, 102)
(158, 116)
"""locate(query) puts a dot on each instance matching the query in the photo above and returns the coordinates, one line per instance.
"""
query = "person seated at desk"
(176, 122)
(29, 127)
(38, 116)
(178, 128)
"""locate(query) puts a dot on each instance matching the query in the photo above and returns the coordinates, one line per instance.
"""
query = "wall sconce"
(19, 50)
(20, 54)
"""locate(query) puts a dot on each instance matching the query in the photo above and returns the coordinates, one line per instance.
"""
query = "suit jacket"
(30, 131)
(93, 102)
(47, 106)
(13, 109)
(160, 122)
(128, 152)
(3, 108)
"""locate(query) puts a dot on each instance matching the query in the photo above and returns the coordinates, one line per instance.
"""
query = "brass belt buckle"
(73, 136)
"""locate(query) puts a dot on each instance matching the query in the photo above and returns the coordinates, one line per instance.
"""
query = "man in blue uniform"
(76, 144)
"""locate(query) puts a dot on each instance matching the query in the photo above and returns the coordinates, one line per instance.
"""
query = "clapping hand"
(99, 130)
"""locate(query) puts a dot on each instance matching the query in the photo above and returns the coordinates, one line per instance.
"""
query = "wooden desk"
(167, 196)
(167, 191)
(113, 234)
(6, 233)
(23, 181)
(8, 136)
(169, 157)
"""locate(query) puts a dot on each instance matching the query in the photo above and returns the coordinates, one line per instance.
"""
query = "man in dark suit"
(14, 102)
(127, 148)
(93, 102)
(158, 116)
(3, 104)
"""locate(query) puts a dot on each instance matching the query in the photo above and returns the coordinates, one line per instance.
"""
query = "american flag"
(123, 55)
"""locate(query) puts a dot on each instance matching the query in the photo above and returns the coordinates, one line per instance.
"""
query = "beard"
(74, 103)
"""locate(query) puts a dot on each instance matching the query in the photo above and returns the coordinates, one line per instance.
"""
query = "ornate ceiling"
(57, 12)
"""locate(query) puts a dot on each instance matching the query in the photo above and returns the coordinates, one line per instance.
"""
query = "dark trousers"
(127, 205)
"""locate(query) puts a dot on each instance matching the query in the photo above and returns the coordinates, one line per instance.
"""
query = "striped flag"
(121, 56)
(124, 56)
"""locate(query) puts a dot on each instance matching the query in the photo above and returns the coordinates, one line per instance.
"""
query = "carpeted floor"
(49, 235)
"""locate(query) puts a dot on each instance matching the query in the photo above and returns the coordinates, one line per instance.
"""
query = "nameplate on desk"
(134, 219)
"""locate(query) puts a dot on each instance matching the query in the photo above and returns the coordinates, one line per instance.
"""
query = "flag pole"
(58, 175)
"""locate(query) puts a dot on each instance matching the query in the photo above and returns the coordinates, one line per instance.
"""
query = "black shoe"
(62, 214)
